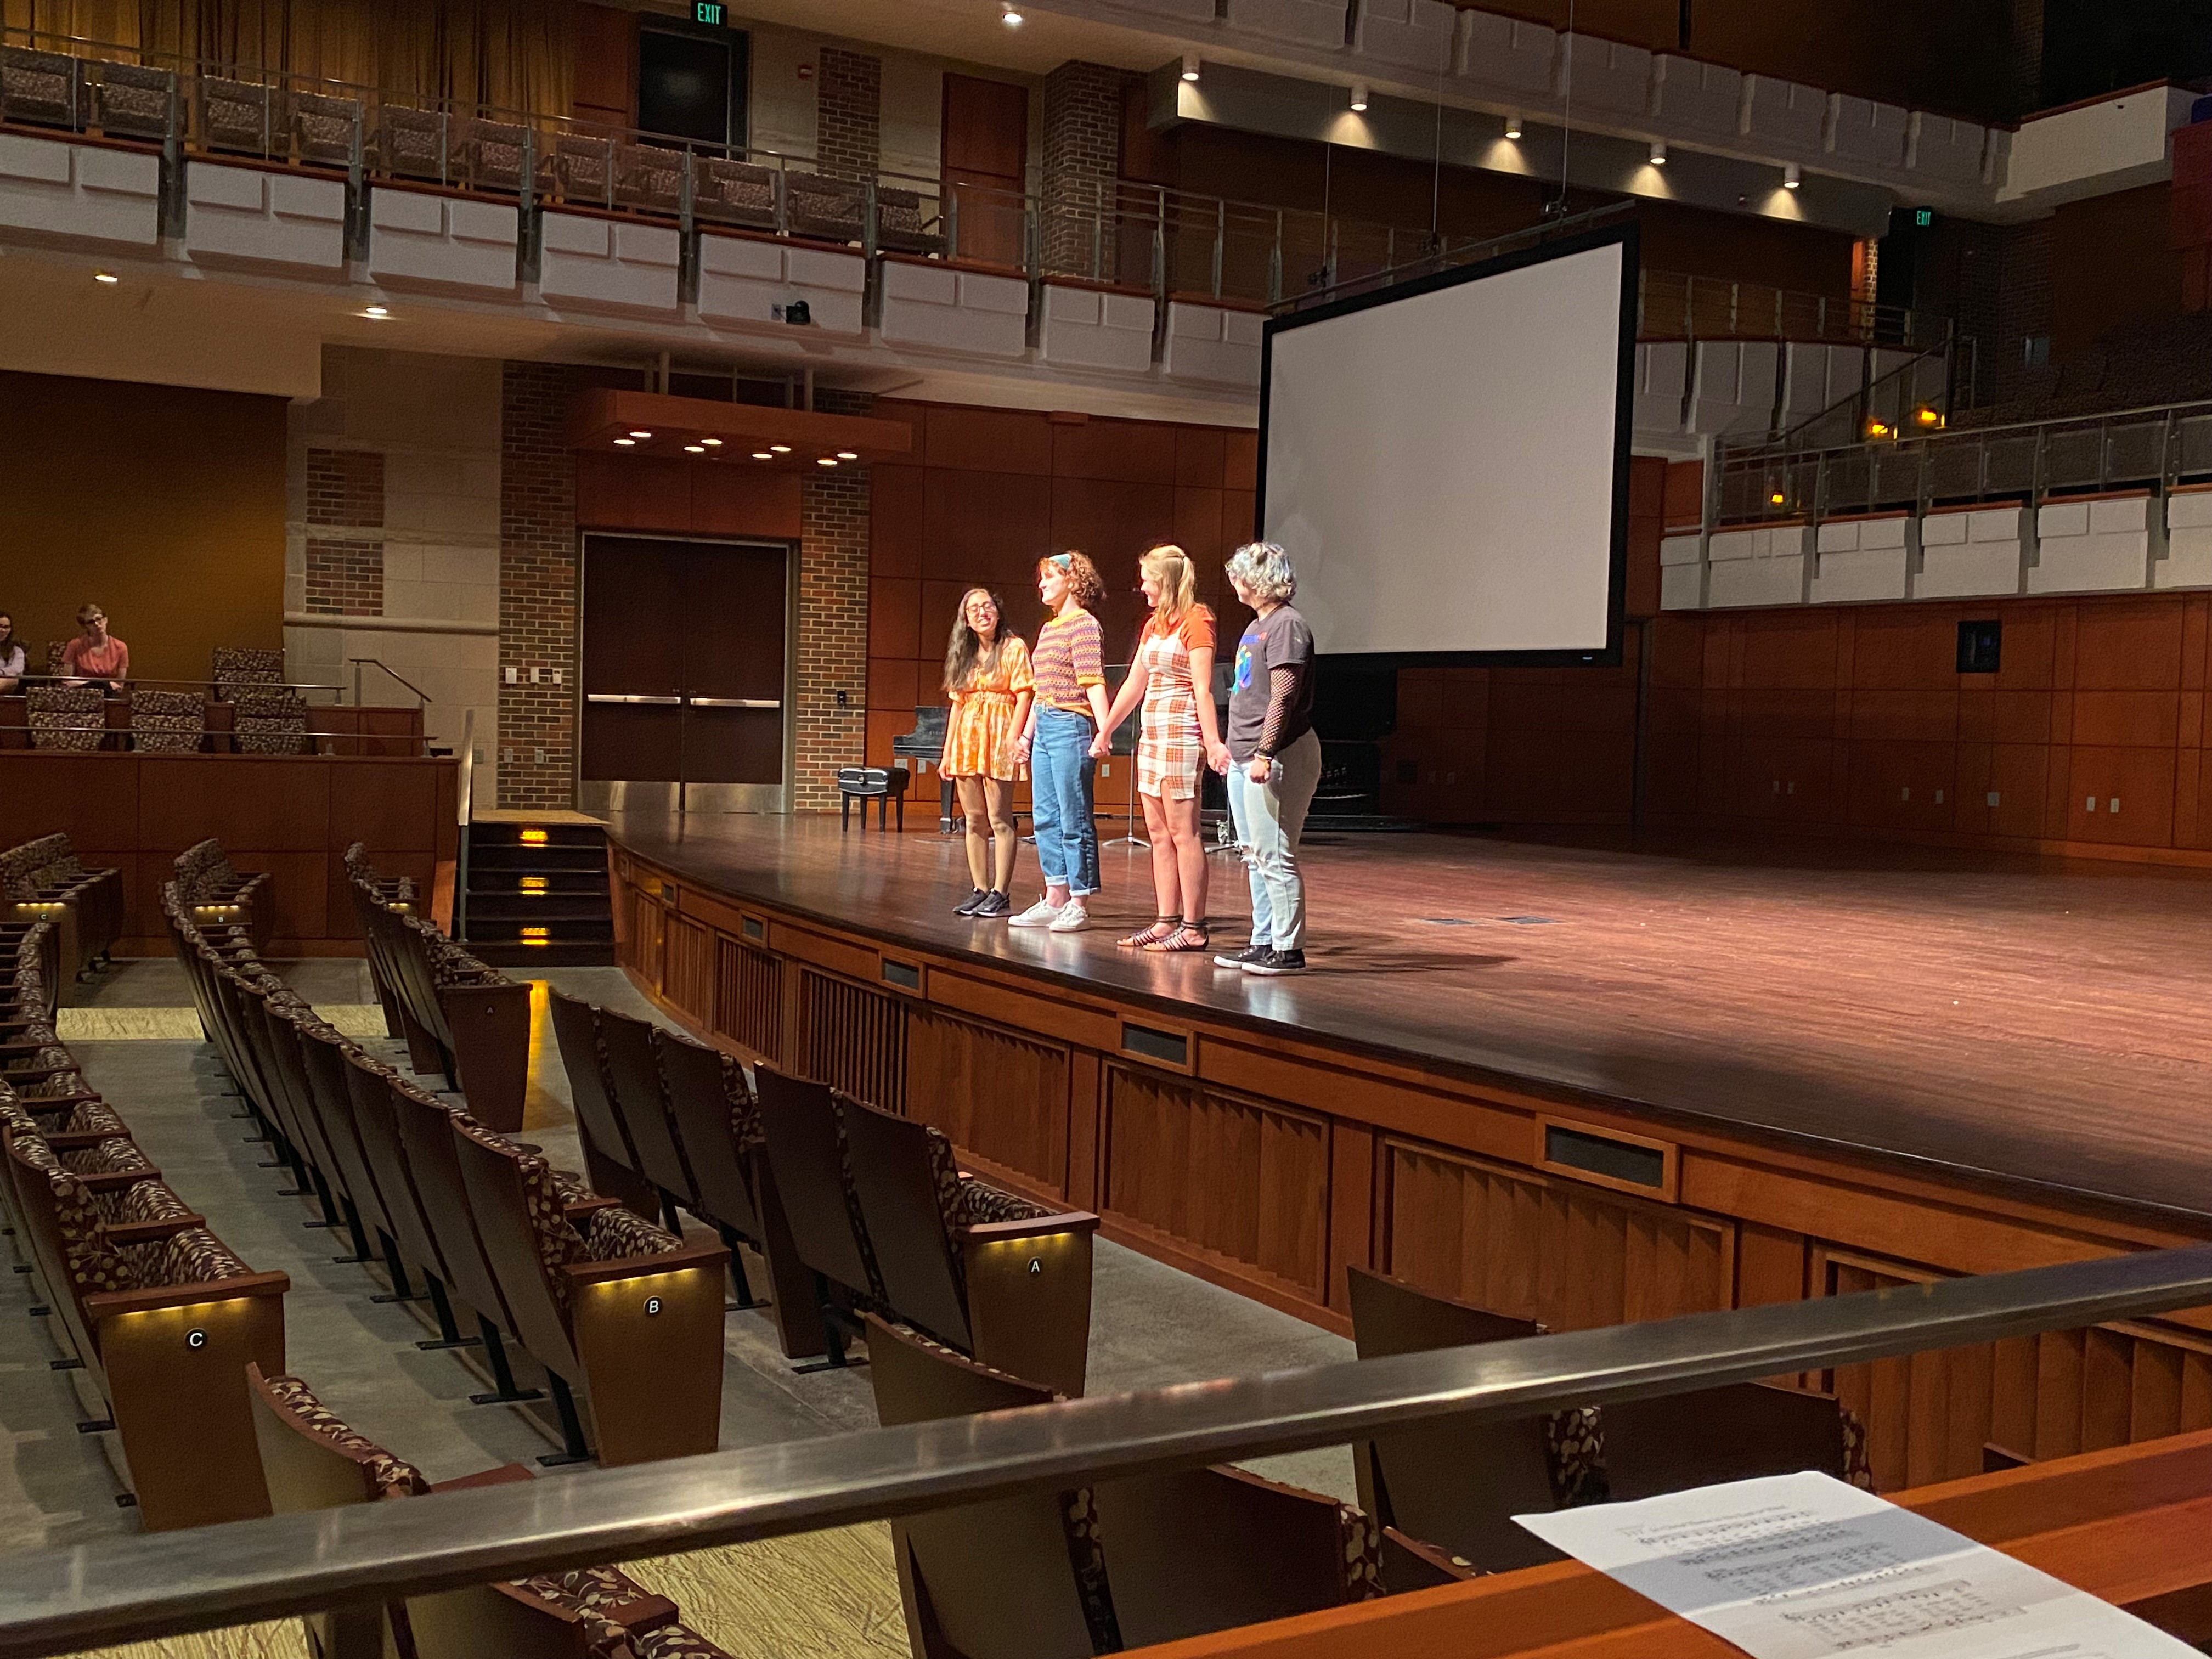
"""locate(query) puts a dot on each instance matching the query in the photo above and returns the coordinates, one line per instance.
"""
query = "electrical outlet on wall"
(510, 674)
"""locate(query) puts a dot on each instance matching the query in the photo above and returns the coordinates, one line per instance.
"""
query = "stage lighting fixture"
(1189, 66)
(1513, 127)
(107, 276)
(1010, 17)
(1791, 177)
(1659, 155)
(1359, 97)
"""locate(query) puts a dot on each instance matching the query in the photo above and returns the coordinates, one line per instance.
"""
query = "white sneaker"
(1071, 918)
(1036, 916)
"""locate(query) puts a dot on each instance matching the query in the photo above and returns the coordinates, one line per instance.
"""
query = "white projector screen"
(1447, 462)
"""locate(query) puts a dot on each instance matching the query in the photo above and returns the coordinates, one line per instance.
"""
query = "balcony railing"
(1140, 238)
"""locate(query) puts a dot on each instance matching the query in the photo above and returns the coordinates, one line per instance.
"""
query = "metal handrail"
(360, 663)
(130, 1590)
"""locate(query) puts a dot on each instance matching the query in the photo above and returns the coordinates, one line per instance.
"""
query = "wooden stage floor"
(2022, 1021)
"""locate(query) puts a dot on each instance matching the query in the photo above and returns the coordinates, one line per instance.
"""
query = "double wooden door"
(684, 653)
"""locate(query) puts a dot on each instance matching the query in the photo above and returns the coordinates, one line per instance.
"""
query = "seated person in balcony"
(11, 655)
(95, 654)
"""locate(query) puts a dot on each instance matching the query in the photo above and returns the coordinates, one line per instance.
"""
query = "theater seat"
(310, 1460)
(44, 880)
(610, 1160)
(1738, 1433)
(211, 891)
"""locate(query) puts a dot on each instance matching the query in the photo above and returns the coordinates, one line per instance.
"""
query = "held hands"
(1101, 745)
(1259, 769)
(1216, 757)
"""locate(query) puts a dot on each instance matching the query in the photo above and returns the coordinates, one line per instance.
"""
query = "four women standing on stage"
(1049, 712)
(987, 673)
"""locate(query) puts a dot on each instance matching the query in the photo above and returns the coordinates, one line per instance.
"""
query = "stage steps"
(538, 892)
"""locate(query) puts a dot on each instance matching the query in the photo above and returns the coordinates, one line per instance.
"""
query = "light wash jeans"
(1270, 817)
(1061, 769)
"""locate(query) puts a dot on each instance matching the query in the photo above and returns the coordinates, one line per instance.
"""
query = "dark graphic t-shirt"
(1278, 640)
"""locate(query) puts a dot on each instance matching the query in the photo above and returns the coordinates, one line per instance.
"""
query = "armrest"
(505, 1474)
(109, 1305)
(1043, 1226)
(715, 1256)
(114, 1181)
(146, 1232)
(584, 1209)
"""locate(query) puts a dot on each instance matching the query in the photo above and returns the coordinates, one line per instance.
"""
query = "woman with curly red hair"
(1070, 709)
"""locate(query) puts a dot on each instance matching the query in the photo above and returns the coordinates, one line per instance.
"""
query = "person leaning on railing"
(95, 654)
(11, 655)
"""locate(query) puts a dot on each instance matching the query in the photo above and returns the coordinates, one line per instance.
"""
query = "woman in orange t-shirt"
(1172, 675)
(95, 654)
(987, 675)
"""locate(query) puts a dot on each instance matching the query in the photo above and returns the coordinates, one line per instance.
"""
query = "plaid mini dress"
(1170, 749)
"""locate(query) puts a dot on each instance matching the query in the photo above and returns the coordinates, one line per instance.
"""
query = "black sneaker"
(994, 904)
(1245, 957)
(1278, 961)
(968, 907)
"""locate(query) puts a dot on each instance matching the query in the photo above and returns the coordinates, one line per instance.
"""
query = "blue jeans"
(1270, 817)
(1060, 768)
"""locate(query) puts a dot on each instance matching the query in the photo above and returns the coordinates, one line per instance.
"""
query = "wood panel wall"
(293, 816)
(165, 506)
(991, 491)
(1268, 1165)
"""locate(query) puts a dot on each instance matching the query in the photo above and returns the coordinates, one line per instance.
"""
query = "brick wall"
(1082, 163)
(537, 588)
(832, 654)
(345, 576)
(848, 113)
(345, 487)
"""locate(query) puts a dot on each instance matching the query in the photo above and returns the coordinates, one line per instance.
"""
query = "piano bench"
(881, 784)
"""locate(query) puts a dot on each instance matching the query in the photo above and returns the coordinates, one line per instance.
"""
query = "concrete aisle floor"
(1150, 1325)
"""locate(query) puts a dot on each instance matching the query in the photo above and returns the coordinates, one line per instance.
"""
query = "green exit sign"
(709, 13)
(1923, 217)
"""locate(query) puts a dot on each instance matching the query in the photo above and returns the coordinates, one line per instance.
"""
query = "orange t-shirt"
(1195, 629)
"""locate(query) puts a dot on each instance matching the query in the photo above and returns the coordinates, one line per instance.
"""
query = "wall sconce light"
(1659, 155)
(1513, 128)
(1359, 97)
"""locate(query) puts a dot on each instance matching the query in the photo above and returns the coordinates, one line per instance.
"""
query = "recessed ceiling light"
(105, 277)
(640, 434)
(825, 461)
(695, 449)
(378, 311)
(1010, 17)
(712, 443)
(627, 443)
(781, 449)
(763, 455)
(848, 455)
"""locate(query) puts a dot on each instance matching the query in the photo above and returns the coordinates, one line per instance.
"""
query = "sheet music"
(1801, 1566)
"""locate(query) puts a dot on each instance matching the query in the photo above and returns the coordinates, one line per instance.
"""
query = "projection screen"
(1446, 461)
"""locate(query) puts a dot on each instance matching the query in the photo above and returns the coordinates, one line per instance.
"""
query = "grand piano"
(926, 743)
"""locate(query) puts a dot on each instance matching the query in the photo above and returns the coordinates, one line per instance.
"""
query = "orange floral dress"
(979, 737)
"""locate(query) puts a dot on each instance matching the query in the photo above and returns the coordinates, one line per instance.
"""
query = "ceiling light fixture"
(848, 455)
(1791, 177)
(763, 455)
(712, 443)
(1190, 66)
(695, 449)
(1513, 127)
(1659, 155)
(626, 443)
(1359, 97)
(634, 434)
(379, 312)
(1010, 17)
(106, 276)
(781, 449)
(826, 461)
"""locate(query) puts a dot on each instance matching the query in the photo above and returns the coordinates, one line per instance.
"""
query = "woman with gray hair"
(1271, 758)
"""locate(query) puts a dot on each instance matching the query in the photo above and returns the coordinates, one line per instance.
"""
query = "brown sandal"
(1191, 936)
(1165, 928)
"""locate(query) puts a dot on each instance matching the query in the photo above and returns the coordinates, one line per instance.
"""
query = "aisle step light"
(1928, 416)
(531, 884)
(535, 935)
(532, 838)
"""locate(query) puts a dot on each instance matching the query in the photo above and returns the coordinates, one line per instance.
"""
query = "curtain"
(512, 54)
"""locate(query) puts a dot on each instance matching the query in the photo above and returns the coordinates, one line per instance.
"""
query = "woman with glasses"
(1172, 676)
(1069, 710)
(95, 654)
(987, 673)
(11, 655)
